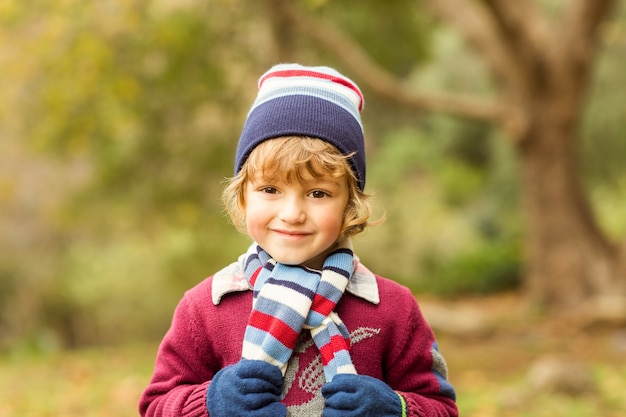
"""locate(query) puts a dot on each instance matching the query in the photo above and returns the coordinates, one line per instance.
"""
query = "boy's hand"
(350, 395)
(248, 388)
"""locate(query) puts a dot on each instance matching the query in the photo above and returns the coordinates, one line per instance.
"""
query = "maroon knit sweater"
(390, 341)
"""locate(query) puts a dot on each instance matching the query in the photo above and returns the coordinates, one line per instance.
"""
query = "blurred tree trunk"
(569, 259)
(542, 70)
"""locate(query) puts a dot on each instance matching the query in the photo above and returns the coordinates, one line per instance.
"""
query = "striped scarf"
(288, 298)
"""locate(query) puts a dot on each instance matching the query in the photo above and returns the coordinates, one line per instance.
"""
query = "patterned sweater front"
(390, 340)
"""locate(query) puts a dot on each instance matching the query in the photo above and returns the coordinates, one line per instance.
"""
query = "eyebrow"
(325, 180)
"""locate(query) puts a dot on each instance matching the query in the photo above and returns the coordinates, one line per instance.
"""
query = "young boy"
(298, 326)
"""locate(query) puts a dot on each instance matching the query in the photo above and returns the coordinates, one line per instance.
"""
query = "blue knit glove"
(349, 395)
(249, 388)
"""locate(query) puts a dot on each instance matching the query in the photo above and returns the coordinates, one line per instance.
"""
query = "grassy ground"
(490, 371)
(502, 372)
(88, 383)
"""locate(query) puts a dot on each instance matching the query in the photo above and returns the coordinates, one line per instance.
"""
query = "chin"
(292, 262)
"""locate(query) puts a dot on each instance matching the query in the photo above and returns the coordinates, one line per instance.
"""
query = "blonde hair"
(289, 158)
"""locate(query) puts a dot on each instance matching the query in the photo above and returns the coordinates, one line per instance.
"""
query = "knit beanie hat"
(319, 102)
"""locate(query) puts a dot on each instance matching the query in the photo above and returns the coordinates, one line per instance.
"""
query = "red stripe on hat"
(274, 326)
(315, 74)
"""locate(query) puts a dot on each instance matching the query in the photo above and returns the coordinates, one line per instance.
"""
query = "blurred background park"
(495, 144)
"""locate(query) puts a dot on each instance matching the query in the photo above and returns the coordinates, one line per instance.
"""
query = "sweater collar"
(362, 283)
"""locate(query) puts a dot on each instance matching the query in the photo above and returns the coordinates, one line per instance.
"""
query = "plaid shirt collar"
(232, 279)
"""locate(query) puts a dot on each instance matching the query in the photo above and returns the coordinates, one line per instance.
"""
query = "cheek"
(254, 218)
(251, 226)
(332, 221)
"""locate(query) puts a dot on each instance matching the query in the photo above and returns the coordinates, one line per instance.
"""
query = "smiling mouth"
(291, 233)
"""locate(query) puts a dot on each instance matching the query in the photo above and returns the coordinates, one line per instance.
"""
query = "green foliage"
(609, 201)
(489, 268)
(129, 91)
(604, 127)
(8, 289)
(109, 293)
(397, 32)
(452, 222)
(136, 96)
(605, 114)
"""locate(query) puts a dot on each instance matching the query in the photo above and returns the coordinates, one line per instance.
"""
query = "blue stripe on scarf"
(341, 357)
(288, 315)
(252, 259)
(329, 291)
(270, 345)
(339, 271)
(296, 286)
(314, 317)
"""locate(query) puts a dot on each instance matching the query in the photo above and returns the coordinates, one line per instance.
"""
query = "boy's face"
(296, 223)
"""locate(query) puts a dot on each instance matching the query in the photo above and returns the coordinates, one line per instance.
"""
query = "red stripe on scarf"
(337, 343)
(255, 275)
(322, 305)
(274, 326)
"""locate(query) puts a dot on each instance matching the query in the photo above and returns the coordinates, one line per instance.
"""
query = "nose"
(292, 210)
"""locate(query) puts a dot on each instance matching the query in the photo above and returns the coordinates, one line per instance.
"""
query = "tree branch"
(477, 26)
(381, 81)
(581, 25)
(519, 22)
(526, 32)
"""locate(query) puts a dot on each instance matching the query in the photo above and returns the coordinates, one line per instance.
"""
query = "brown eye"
(318, 194)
